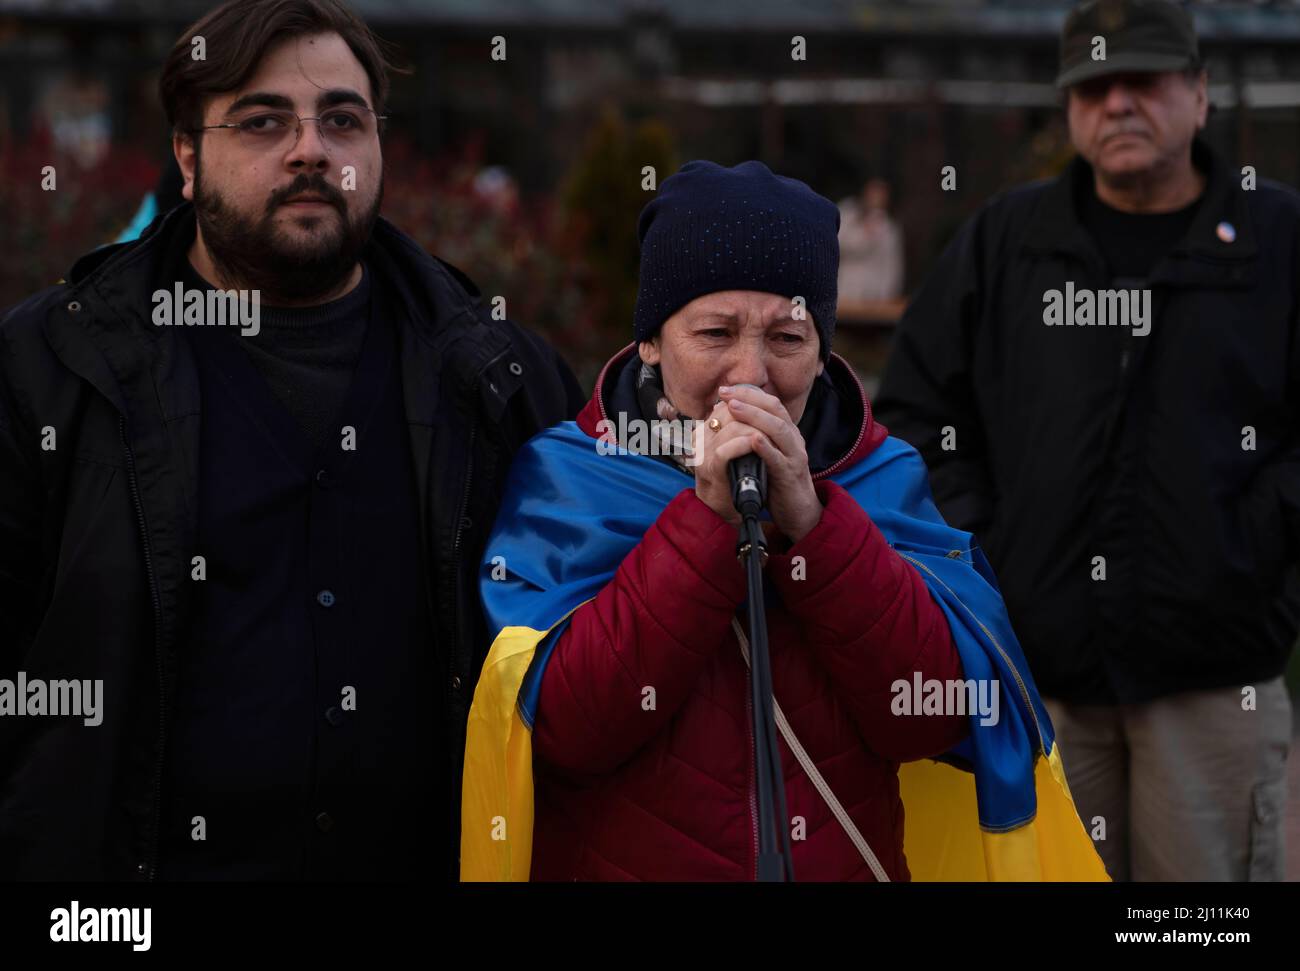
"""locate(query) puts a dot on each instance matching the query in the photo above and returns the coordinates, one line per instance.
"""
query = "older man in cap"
(1103, 374)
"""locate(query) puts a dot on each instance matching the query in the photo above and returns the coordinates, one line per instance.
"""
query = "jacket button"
(325, 598)
(323, 479)
(516, 368)
(324, 822)
(74, 306)
(141, 867)
(455, 682)
(334, 716)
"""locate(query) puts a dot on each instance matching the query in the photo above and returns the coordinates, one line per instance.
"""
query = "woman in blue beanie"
(611, 733)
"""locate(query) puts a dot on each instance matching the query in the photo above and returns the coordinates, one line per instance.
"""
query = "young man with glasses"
(263, 541)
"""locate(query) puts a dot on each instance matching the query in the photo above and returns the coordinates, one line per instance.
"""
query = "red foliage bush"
(46, 230)
(527, 251)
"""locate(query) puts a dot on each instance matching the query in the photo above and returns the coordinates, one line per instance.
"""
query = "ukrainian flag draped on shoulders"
(996, 807)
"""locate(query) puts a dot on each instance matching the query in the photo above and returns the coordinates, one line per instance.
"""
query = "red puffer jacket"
(624, 793)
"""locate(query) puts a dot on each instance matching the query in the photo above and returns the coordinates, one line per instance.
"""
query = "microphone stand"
(775, 861)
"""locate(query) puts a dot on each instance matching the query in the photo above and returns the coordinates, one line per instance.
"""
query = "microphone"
(748, 477)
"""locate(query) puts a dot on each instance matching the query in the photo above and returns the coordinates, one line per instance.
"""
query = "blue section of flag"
(140, 222)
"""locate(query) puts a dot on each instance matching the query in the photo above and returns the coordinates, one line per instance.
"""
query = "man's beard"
(255, 254)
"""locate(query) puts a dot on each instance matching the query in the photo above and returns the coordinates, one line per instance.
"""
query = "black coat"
(97, 534)
(1079, 442)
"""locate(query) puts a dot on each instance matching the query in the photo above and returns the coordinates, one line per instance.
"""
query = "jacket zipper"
(862, 430)
(157, 637)
(427, 562)
(464, 498)
(453, 651)
(1024, 692)
(469, 476)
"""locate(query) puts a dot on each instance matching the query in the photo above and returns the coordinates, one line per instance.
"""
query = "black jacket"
(1085, 442)
(97, 533)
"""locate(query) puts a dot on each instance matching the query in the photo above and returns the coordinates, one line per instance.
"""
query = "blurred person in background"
(262, 541)
(1136, 484)
(871, 247)
(498, 188)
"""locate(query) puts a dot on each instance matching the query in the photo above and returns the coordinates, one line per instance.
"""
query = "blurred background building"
(592, 90)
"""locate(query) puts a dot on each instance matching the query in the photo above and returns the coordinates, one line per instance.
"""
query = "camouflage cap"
(1139, 35)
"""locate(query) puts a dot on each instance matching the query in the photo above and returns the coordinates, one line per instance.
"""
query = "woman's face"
(736, 337)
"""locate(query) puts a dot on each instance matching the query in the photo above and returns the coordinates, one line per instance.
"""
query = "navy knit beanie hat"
(712, 228)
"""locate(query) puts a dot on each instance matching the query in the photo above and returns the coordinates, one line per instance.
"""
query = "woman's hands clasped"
(751, 420)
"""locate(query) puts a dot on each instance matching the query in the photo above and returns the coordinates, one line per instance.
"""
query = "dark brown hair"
(236, 36)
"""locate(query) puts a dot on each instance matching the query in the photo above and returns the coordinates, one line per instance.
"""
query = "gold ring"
(714, 424)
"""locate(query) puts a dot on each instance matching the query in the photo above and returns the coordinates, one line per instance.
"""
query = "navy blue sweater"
(304, 731)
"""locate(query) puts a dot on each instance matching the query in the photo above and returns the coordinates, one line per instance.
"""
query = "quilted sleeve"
(653, 627)
(871, 622)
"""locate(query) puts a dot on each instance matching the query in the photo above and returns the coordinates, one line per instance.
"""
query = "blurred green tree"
(603, 196)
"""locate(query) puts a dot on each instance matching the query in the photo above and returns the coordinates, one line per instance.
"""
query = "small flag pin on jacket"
(1226, 232)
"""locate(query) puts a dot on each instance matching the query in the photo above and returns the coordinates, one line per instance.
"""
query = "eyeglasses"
(341, 128)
